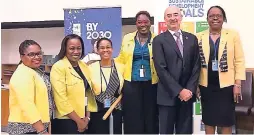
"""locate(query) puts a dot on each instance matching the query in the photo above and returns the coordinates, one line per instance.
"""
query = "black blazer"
(174, 71)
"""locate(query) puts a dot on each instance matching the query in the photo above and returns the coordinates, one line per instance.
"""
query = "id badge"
(106, 103)
(215, 65)
(141, 72)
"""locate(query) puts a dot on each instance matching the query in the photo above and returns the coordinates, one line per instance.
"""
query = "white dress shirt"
(181, 35)
(91, 56)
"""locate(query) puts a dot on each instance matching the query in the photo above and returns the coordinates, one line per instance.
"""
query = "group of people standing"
(152, 84)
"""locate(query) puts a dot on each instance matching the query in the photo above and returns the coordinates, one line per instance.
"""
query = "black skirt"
(65, 126)
(218, 106)
(99, 126)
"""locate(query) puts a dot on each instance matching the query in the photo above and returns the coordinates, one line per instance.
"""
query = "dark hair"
(101, 39)
(62, 52)
(142, 13)
(25, 44)
(222, 11)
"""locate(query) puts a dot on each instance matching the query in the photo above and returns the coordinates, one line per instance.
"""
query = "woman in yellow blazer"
(70, 80)
(107, 82)
(30, 99)
(140, 86)
(223, 68)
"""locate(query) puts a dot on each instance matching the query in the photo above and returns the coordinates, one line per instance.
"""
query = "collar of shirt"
(181, 34)
(173, 32)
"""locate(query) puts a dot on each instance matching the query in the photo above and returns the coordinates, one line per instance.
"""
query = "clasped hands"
(82, 125)
(185, 95)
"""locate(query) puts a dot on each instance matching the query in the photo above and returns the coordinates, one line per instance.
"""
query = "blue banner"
(94, 23)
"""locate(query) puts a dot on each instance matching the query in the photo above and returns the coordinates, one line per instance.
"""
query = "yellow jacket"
(96, 80)
(126, 56)
(235, 57)
(28, 99)
(68, 88)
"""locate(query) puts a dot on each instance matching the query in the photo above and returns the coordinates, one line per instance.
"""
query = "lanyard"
(215, 45)
(142, 47)
(215, 50)
(102, 75)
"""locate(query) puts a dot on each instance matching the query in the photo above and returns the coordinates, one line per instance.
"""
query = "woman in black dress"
(222, 70)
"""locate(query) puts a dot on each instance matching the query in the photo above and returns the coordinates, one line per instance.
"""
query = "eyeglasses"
(215, 15)
(33, 55)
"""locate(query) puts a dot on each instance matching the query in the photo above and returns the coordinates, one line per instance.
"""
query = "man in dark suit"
(176, 60)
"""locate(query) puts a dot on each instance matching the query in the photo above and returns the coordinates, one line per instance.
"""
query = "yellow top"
(28, 99)
(126, 56)
(235, 57)
(68, 88)
(106, 71)
(96, 79)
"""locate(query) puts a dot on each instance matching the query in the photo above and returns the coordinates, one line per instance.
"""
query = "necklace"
(142, 40)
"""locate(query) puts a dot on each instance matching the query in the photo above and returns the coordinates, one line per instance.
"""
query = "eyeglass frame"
(40, 54)
(215, 15)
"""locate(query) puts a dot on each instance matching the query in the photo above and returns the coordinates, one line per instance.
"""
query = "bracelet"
(239, 86)
(43, 131)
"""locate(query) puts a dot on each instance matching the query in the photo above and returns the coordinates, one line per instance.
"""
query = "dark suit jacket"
(174, 71)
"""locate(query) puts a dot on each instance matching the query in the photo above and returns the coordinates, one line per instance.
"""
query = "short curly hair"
(142, 13)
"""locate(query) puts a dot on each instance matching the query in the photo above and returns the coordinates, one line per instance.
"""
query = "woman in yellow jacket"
(223, 68)
(30, 99)
(140, 86)
(107, 82)
(70, 80)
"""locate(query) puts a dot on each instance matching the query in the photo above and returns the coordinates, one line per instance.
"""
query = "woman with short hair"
(223, 68)
(30, 101)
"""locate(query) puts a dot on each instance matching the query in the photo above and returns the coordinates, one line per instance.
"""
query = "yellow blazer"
(28, 99)
(235, 57)
(96, 81)
(126, 56)
(68, 88)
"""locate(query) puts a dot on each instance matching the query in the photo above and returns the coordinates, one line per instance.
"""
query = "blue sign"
(94, 23)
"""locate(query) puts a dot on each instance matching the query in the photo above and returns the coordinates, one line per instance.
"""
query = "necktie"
(179, 42)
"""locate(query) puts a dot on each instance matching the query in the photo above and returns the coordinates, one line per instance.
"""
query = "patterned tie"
(179, 42)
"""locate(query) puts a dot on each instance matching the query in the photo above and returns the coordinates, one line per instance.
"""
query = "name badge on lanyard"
(142, 71)
(107, 103)
(215, 65)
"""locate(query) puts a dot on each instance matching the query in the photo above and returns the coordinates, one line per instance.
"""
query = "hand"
(81, 125)
(86, 122)
(237, 93)
(185, 95)
(46, 133)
